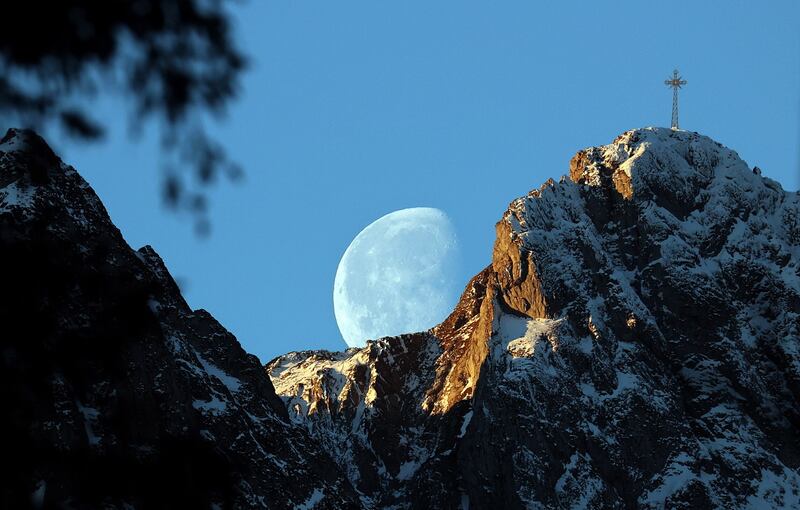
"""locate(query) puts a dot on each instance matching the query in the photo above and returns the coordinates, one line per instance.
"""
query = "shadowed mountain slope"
(115, 393)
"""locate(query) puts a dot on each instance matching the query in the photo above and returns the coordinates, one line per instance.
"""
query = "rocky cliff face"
(115, 394)
(633, 344)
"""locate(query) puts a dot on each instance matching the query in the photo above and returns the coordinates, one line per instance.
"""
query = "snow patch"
(674, 478)
(465, 423)
(232, 383)
(520, 336)
(214, 406)
(407, 470)
(296, 374)
(14, 196)
(14, 144)
(312, 500)
(776, 490)
(90, 415)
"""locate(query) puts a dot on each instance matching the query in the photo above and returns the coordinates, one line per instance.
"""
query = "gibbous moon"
(399, 275)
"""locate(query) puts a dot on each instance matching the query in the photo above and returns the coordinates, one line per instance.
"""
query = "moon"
(399, 275)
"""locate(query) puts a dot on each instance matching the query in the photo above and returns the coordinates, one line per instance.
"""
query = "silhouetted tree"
(174, 59)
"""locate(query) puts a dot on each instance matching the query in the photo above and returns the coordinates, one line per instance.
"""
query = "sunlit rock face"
(632, 344)
(115, 393)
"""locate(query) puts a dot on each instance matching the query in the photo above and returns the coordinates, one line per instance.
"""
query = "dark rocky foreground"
(633, 344)
(115, 394)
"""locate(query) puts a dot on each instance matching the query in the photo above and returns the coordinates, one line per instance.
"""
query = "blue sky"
(351, 110)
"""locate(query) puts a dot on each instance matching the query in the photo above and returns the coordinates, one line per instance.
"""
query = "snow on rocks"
(123, 395)
(634, 342)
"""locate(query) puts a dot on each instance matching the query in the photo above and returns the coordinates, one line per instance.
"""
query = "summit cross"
(675, 82)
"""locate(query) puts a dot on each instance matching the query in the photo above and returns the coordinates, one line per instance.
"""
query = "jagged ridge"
(634, 343)
(115, 393)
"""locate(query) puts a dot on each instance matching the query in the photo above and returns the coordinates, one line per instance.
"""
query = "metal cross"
(675, 83)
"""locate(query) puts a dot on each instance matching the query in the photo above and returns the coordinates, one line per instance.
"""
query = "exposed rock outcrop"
(633, 344)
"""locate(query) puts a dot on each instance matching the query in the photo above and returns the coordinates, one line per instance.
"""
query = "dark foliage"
(173, 59)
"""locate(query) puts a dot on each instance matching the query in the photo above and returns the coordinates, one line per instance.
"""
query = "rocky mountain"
(633, 344)
(115, 394)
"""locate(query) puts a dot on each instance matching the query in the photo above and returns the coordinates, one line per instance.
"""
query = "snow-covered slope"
(115, 394)
(633, 344)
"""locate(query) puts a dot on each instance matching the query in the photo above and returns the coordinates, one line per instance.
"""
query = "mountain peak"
(32, 154)
(660, 162)
(633, 343)
(27, 141)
